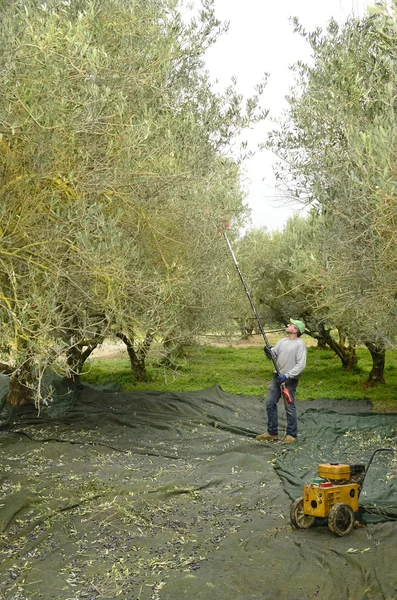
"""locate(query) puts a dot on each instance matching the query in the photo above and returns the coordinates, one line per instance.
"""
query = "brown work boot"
(289, 439)
(265, 437)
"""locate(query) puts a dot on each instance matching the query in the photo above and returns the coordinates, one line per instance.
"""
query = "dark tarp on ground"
(169, 496)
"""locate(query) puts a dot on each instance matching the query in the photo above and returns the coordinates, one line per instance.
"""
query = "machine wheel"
(341, 519)
(298, 517)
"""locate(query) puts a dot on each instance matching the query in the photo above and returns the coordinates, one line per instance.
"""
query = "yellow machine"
(332, 487)
(334, 495)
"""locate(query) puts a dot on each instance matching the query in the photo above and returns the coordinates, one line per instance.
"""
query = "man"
(290, 354)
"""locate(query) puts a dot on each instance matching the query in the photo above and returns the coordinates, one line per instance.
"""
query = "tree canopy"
(116, 181)
(337, 143)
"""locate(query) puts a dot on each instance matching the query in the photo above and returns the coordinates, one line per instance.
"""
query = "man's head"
(299, 326)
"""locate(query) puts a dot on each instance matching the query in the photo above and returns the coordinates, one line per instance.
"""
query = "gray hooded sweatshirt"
(291, 356)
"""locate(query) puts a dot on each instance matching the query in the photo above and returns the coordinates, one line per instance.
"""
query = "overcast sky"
(261, 39)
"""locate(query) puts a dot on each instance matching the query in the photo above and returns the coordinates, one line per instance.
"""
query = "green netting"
(169, 496)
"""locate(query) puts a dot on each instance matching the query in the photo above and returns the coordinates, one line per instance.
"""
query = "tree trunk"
(5, 368)
(19, 394)
(378, 354)
(76, 357)
(21, 381)
(246, 329)
(346, 353)
(172, 352)
(321, 344)
(137, 357)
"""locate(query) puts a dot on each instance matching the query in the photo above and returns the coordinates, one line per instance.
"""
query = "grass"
(245, 370)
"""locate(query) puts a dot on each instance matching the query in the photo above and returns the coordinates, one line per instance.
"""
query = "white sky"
(261, 39)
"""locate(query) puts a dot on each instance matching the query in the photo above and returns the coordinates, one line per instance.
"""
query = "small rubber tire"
(341, 519)
(298, 517)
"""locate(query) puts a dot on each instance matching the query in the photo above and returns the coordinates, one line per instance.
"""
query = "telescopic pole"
(283, 387)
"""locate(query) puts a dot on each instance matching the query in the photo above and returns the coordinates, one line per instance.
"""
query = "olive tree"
(287, 279)
(115, 180)
(339, 142)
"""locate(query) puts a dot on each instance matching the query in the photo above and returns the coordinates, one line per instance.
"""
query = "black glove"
(268, 352)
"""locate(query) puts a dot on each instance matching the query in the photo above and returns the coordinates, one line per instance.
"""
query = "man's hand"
(268, 351)
(281, 378)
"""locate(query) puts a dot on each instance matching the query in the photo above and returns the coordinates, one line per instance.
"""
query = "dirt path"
(115, 349)
(112, 349)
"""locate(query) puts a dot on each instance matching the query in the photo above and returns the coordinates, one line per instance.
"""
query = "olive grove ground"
(156, 495)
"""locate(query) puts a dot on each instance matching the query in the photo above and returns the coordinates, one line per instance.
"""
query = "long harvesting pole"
(284, 389)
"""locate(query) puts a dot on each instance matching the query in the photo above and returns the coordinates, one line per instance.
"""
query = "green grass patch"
(239, 370)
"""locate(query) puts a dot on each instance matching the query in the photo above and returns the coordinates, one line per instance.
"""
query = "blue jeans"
(273, 396)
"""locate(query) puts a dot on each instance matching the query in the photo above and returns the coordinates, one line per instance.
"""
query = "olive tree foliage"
(250, 251)
(300, 287)
(115, 181)
(272, 273)
(338, 142)
(285, 271)
(64, 277)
